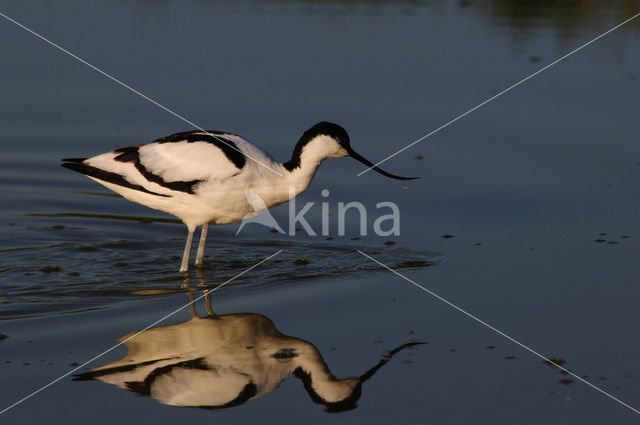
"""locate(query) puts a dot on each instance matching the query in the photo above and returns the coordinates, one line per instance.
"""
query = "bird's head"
(334, 142)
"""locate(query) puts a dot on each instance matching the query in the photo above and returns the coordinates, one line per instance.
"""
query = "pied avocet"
(203, 177)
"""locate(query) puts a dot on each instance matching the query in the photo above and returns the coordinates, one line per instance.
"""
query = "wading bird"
(202, 177)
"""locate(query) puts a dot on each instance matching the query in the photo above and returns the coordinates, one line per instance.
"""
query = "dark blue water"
(538, 189)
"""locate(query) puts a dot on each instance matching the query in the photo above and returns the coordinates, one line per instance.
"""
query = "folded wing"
(176, 163)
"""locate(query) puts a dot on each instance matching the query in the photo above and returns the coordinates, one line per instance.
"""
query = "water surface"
(538, 189)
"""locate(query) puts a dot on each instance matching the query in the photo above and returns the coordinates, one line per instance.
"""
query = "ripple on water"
(74, 276)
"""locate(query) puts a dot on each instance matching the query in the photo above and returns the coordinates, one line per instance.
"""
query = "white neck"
(309, 158)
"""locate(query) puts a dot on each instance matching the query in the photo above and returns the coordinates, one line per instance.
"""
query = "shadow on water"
(568, 15)
(558, 14)
(222, 361)
(568, 19)
(523, 17)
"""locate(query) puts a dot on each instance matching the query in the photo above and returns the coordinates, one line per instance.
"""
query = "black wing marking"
(128, 154)
(107, 176)
(144, 387)
(94, 374)
(132, 154)
(227, 146)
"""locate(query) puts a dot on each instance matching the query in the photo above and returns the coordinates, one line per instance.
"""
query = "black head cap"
(342, 137)
(328, 129)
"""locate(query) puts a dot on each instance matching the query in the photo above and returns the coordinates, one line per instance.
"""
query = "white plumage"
(202, 177)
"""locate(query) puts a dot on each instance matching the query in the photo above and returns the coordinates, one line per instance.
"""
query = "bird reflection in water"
(221, 361)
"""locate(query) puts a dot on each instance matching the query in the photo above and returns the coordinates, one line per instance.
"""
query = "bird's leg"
(187, 250)
(203, 241)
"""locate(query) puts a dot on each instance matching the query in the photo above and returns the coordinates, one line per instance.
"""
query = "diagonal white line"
(137, 333)
(500, 94)
(499, 332)
(112, 78)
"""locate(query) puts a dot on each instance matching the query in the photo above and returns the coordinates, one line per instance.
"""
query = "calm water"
(539, 190)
